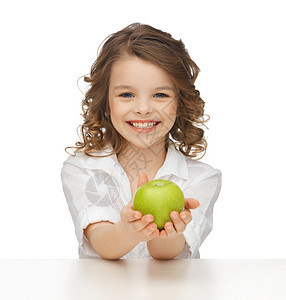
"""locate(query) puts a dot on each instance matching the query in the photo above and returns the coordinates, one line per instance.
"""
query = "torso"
(150, 167)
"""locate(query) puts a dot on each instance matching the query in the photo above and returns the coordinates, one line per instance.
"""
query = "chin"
(147, 144)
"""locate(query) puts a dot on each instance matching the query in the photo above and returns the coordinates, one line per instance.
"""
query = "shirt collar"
(174, 164)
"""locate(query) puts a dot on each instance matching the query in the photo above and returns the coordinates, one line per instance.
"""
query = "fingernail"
(184, 216)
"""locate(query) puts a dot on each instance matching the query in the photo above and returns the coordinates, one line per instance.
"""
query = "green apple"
(159, 198)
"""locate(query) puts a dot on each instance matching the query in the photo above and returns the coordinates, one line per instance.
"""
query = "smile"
(143, 126)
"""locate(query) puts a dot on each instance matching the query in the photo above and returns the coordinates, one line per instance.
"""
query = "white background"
(240, 49)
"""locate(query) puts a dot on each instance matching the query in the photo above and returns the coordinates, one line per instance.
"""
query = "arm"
(112, 241)
(108, 240)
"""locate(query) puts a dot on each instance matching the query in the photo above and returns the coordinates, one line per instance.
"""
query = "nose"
(143, 106)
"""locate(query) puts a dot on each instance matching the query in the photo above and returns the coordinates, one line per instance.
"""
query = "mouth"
(143, 126)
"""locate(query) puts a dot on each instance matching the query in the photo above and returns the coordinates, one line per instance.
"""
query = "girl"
(142, 117)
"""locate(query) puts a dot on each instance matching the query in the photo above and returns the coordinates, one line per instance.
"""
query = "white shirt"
(96, 189)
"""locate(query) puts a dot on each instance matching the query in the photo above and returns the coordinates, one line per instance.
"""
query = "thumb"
(192, 203)
(143, 178)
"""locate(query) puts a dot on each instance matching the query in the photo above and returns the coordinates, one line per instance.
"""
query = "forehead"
(131, 70)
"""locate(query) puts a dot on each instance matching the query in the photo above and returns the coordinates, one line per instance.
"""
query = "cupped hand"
(144, 229)
(141, 228)
(179, 220)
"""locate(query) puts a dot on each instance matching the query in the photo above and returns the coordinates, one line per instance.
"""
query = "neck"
(135, 160)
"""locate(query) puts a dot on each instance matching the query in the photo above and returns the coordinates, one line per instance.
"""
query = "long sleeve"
(88, 200)
(205, 188)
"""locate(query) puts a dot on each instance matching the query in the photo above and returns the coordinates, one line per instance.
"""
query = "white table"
(84, 279)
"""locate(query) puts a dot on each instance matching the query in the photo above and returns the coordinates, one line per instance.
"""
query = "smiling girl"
(142, 112)
(142, 117)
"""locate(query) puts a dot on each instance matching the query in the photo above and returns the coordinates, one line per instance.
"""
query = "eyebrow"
(123, 86)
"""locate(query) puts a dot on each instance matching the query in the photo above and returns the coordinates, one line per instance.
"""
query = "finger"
(163, 234)
(143, 178)
(156, 232)
(143, 222)
(130, 203)
(150, 229)
(191, 203)
(178, 224)
(186, 216)
(170, 230)
(129, 215)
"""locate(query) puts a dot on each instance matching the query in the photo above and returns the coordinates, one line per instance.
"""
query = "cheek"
(171, 111)
(117, 111)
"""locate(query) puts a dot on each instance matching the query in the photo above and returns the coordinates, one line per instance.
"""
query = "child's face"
(143, 94)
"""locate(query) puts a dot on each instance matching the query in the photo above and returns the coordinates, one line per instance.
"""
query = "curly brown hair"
(159, 48)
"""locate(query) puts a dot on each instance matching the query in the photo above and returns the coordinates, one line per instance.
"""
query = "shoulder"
(186, 167)
(96, 160)
(199, 165)
(199, 170)
(81, 166)
(78, 159)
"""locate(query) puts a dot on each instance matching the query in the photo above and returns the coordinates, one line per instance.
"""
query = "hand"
(180, 220)
(132, 223)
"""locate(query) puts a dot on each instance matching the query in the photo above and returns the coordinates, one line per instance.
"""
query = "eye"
(161, 95)
(126, 95)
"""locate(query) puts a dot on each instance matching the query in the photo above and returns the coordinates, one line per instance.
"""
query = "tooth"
(143, 125)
